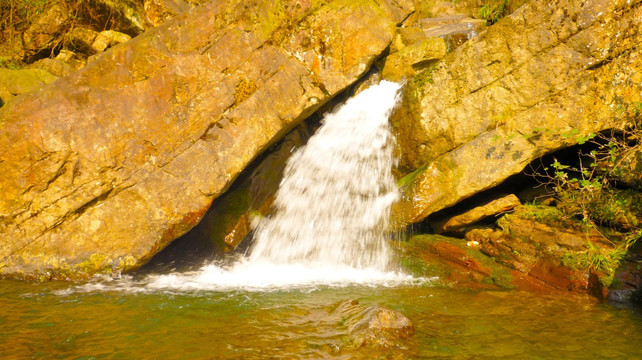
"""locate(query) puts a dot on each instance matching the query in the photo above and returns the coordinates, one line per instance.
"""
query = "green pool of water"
(38, 321)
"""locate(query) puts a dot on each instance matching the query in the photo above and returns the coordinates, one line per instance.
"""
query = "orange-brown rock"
(489, 208)
(229, 219)
(539, 80)
(539, 242)
(104, 167)
(452, 262)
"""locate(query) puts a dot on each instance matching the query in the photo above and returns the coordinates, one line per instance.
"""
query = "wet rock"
(627, 285)
(374, 326)
(491, 208)
(454, 30)
(106, 166)
(541, 243)
(523, 88)
(229, 219)
(452, 262)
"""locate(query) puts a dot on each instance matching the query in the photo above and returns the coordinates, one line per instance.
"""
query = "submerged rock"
(106, 166)
(541, 79)
(374, 326)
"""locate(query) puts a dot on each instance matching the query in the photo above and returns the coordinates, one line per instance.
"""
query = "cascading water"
(333, 204)
(331, 211)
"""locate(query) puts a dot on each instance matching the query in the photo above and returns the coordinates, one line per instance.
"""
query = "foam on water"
(248, 276)
(330, 213)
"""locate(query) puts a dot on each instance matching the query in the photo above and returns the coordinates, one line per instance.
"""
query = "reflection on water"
(38, 321)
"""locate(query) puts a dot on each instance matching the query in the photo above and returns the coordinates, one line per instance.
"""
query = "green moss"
(97, 263)
(493, 10)
(602, 260)
(549, 215)
(412, 261)
(408, 179)
(419, 81)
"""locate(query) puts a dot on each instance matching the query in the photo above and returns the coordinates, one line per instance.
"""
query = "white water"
(331, 212)
(333, 204)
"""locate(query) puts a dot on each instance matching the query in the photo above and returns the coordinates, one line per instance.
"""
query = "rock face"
(399, 66)
(537, 81)
(627, 285)
(229, 219)
(419, 46)
(104, 167)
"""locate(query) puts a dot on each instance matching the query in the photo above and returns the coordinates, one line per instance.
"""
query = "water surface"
(61, 321)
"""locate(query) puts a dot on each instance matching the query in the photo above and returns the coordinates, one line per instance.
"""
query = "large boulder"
(541, 79)
(104, 167)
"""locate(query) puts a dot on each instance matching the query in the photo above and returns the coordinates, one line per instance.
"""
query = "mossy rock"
(453, 262)
(21, 81)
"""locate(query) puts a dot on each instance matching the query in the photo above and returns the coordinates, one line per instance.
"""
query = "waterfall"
(334, 201)
(330, 216)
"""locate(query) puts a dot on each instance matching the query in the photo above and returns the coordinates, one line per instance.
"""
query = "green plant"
(598, 259)
(493, 10)
(587, 192)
